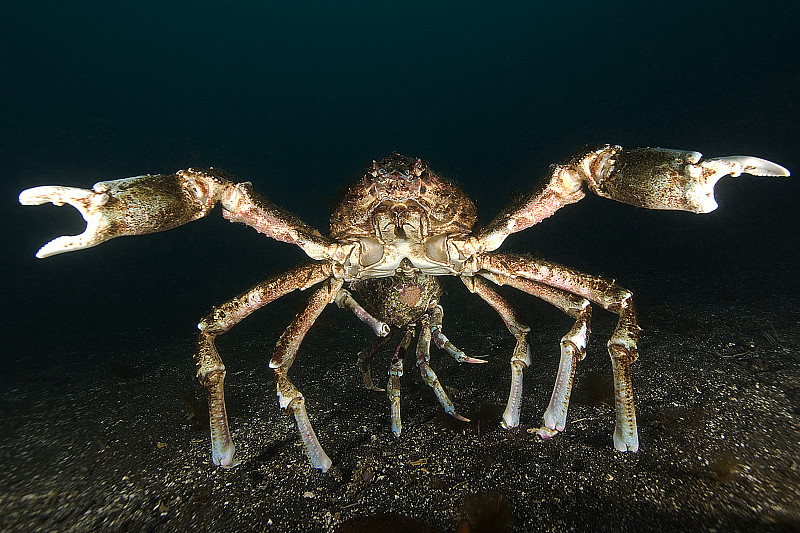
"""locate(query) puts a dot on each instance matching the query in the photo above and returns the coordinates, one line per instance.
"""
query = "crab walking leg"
(224, 316)
(443, 343)
(573, 344)
(395, 373)
(285, 352)
(344, 299)
(211, 370)
(211, 373)
(621, 347)
(364, 357)
(428, 375)
(520, 358)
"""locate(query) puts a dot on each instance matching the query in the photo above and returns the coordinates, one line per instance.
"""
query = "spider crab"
(396, 230)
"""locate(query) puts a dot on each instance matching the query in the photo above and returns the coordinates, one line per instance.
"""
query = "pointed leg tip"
(626, 444)
(627, 448)
(546, 433)
(509, 422)
(324, 463)
(234, 463)
(225, 457)
(554, 422)
(317, 456)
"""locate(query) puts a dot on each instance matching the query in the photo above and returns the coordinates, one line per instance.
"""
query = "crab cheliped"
(396, 230)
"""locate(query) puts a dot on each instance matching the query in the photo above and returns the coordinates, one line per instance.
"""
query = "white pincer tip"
(36, 195)
(755, 166)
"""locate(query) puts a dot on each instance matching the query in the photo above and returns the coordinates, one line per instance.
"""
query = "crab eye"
(419, 167)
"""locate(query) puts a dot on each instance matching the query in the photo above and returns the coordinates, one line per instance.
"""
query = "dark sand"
(113, 438)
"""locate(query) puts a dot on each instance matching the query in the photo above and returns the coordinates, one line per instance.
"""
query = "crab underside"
(396, 230)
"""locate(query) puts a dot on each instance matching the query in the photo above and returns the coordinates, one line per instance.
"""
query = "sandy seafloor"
(116, 441)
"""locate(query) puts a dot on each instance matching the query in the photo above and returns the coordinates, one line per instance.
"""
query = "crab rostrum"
(396, 230)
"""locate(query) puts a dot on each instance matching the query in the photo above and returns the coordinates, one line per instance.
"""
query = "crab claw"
(661, 178)
(130, 206)
(711, 170)
(87, 202)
